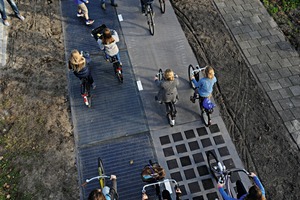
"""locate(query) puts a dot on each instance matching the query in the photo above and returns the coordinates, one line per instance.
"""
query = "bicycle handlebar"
(198, 69)
(96, 177)
(158, 183)
(228, 172)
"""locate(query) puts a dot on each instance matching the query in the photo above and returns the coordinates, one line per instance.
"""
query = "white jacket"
(112, 48)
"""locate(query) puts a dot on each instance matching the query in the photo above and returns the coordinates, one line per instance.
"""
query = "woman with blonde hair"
(256, 192)
(77, 63)
(168, 93)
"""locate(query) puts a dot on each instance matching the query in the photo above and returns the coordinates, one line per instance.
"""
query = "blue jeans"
(14, 6)
(2, 10)
(111, 1)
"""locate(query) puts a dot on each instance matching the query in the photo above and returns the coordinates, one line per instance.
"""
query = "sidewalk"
(271, 57)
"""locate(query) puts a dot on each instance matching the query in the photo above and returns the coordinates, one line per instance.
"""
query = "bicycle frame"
(166, 182)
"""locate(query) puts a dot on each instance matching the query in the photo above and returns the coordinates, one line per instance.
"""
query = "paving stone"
(264, 41)
(222, 11)
(246, 21)
(246, 29)
(296, 101)
(264, 49)
(285, 103)
(274, 95)
(273, 64)
(189, 174)
(272, 23)
(255, 27)
(263, 58)
(254, 51)
(284, 62)
(274, 56)
(277, 105)
(290, 126)
(181, 148)
(284, 54)
(295, 70)
(256, 69)
(284, 72)
(245, 36)
(273, 47)
(238, 8)
(263, 67)
(296, 124)
(194, 145)
(296, 112)
(274, 85)
(285, 82)
(198, 158)
(177, 137)
(295, 90)
(254, 34)
(274, 38)
(246, 53)
(295, 79)
(236, 31)
(247, 14)
(168, 151)
(274, 75)
(275, 31)
(245, 45)
(266, 86)
(220, 5)
(265, 25)
(176, 176)
(253, 60)
(203, 170)
(296, 136)
(238, 2)
(255, 19)
(264, 33)
(295, 60)
(285, 92)
(189, 134)
(286, 115)
(194, 187)
(208, 184)
(228, 10)
(237, 15)
(284, 45)
(263, 77)
(228, 18)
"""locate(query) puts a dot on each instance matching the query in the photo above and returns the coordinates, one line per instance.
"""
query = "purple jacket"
(80, 1)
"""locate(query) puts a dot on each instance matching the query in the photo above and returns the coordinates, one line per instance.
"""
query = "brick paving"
(274, 61)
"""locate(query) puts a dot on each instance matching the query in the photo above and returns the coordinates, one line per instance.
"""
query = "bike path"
(125, 123)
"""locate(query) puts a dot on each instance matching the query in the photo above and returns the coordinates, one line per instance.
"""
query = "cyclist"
(106, 193)
(108, 43)
(204, 86)
(256, 192)
(168, 93)
(77, 63)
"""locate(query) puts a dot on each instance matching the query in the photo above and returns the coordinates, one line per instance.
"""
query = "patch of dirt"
(36, 133)
(257, 131)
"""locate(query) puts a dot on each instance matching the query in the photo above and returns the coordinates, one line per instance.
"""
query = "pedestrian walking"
(112, 2)
(14, 7)
(82, 11)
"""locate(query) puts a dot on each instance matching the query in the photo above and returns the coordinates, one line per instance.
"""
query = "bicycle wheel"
(162, 5)
(190, 73)
(118, 71)
(150, 20)
(101, 173)
(88, 92)
(212, 164)
(206, 118)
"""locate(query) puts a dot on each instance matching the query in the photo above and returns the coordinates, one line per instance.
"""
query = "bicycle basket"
(153, 173)
(97, 32)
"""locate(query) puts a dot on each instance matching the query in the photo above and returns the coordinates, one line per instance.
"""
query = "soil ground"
(36, 139)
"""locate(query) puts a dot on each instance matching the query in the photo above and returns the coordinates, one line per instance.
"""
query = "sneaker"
(94, 86)
(80, 15)
(5, 22)
(192, 99)
(89, 22)
(114, 5)
(209, 122)
(103, 6)
(20, 17)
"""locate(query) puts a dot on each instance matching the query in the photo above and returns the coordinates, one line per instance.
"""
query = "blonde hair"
(107, 37)
(76, 61)
(209, 72)
(169, 75)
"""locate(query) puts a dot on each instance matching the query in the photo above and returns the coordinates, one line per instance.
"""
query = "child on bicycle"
(78, 64)
(106, 193)
(204, 86)
(256, 192)
(108, 43)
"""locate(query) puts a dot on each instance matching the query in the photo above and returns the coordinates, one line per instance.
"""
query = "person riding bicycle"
(108, 43)
(106, 193)
(168, 93)
(204, 86)
(256, 192)
(144, 3)
(78, 64)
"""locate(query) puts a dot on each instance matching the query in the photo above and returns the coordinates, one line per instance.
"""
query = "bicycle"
(85, 85)
(97, 34)
(150, 15)
(162, 5)
(222, 174)
(101, 177)
(170, 106)
(206, 106)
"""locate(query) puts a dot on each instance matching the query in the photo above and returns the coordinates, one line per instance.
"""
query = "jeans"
(14, 6)
(2, 10)
(117, 55)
